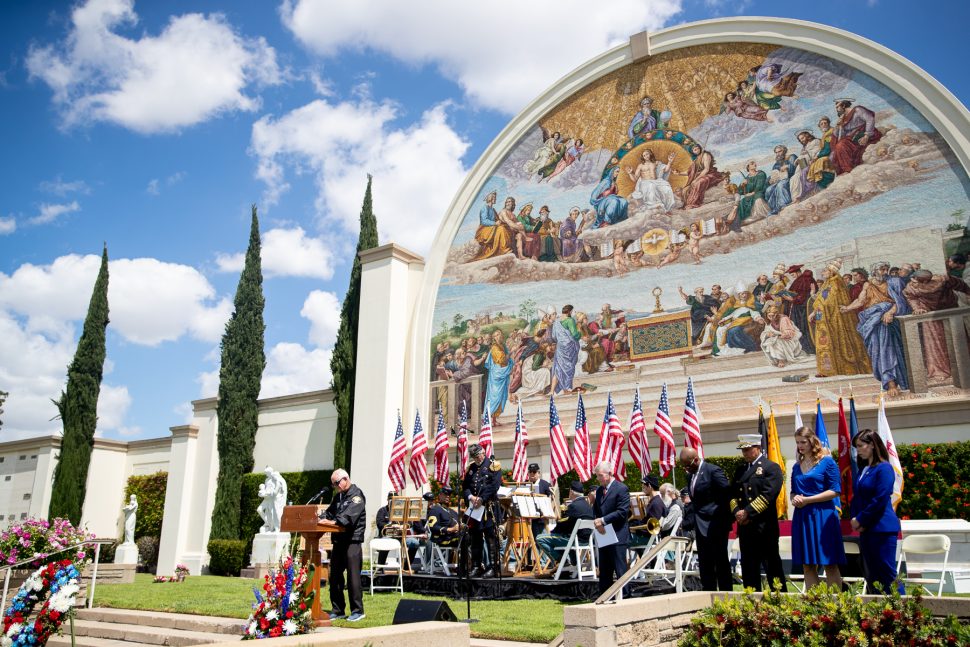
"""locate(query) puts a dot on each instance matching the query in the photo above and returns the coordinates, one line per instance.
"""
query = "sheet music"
(544, 504)
(607, 538)
(505, 491)
(530, 507)
(477, 513)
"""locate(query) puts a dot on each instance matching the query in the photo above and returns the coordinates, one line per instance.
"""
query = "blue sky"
(153, 126)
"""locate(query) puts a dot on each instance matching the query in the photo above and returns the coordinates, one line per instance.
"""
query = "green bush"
(634, 480)
(300, 486)
(933, 485)
(821, 617)
(150, 491)
(148, 552)
(226, 556)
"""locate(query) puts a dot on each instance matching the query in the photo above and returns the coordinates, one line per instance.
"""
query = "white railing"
(94, 573)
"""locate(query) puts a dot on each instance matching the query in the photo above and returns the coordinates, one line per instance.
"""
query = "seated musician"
(655, 509)
(442, 526)
(673, 508)
(576, 508)
(383, 518)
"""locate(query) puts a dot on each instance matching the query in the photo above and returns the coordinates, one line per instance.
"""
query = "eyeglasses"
(338, 481)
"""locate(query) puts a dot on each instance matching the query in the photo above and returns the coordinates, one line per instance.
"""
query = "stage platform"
(517, 588)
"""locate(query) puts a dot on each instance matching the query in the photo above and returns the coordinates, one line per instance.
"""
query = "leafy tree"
(78, 405)
(457, 319)
(240, 372)
(343, 361)
(3, 398)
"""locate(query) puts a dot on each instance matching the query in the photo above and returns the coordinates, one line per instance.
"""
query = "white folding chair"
(439, 557)
(582, 550)
(784, 550)
(391, 548)
(734, 556)
(852, 548)
(924, 545)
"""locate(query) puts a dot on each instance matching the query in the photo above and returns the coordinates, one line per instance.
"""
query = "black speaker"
(423, 611)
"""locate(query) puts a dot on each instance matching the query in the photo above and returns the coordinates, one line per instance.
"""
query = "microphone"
(318, 495)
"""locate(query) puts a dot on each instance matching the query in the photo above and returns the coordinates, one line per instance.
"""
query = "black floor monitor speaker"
(423, 611)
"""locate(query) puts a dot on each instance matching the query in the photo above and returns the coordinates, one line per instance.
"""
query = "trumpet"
(652, 526)
(393, 530)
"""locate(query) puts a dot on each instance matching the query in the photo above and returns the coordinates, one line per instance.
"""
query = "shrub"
(634, 479)
(300, 486)
(108, 551)
(148, 552)
(226, 556)
(150, 490)
(821, 617)
(933, 485)
(38, 538)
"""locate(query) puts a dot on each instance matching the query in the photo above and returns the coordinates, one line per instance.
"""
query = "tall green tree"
(3, 398)
(240, 373)
(344, 360)
(78, 405)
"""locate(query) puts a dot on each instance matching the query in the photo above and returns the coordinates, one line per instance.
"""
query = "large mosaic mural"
(767, 216)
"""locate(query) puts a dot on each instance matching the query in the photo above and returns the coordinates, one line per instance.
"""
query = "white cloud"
(502, 53)
(291, 368)
(286, 252)
(152, 188)
(113, 405)
(323, 311)
(208, 383)
(51, 212)
(416, 169)
(60, 187)
(195, 69)
(155, 185)
(8, 225)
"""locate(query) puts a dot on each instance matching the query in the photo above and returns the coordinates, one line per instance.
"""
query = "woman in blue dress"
(816, 530)
(873, 516)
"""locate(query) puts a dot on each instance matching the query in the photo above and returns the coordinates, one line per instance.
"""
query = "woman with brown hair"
(873, 516)
(816, 530)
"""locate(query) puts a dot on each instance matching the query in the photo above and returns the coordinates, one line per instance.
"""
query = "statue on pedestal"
(130, 514)
(273, 491)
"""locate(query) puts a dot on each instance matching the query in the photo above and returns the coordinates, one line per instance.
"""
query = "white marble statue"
(130, 514)
(273, 491)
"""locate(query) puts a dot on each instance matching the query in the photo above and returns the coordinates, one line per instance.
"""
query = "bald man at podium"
(348, 510)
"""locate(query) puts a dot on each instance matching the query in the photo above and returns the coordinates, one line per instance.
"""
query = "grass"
(230, 597)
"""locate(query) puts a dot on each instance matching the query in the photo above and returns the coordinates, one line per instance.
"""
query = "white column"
(388, 294)
(105, 491)
(47, 452)
(179, 496)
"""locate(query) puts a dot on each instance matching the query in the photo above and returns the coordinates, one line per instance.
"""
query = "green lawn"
(231, 597)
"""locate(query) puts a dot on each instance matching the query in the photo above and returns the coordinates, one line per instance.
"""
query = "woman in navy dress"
(873, 516)
(816, 530)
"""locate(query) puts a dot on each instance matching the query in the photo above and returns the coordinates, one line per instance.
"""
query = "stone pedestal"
(269, 547)
(126, 554)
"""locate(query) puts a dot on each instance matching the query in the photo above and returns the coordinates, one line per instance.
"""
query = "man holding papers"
(480, 491)
(612, 536)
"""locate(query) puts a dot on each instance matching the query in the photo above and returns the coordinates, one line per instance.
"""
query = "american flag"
(559, 446)
(418, 465)
(441, 450)
(611, 443)
(582, 460)
(639, 449)
(463, 441)
(485, 435)
(520, 461)
(395, 469)
(661, 427)
(691, 422)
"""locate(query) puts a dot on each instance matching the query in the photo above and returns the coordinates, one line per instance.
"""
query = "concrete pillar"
(47, 452)
(389, 288)
(176, 521)
(107, 478)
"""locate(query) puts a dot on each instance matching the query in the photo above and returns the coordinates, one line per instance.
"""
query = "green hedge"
(300, 486)
(150, 491)
(634, 479)
(226, 556)
(933, 485)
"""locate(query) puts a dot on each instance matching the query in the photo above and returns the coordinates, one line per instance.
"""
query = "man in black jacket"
(538, 485)
(576, 508)
(709, 491)
(348, 510)
(757, 485)
(442, 527)
(612, 508)
(480, 491)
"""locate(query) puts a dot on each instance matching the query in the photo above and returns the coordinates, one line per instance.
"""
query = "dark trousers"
(481, 536)
(612, 561)
(346, 557)
(878, 551)
(713, 562)
(759, 545)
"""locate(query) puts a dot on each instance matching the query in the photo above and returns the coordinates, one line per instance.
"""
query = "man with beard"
(854, 131)
(801, 288)
(702, 306)
(480, 491)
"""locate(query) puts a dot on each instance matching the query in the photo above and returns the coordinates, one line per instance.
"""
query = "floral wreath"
(283, 608)
(58, 579)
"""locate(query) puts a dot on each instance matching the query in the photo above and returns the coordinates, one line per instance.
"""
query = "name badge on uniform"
(759, 471)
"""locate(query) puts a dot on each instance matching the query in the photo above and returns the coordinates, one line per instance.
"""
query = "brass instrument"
(652, 526)
(395, 530)
(562, 512)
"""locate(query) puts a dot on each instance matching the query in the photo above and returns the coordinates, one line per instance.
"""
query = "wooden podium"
(305, 520)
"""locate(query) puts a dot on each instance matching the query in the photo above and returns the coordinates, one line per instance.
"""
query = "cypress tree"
(241, 370)
(344, 358)
(78, 405)
(3, 398)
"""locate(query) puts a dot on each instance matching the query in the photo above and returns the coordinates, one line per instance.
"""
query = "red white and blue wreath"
(57, 585)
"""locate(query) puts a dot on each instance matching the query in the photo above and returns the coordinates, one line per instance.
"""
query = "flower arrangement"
(283, 608)
(821, 617)
(37, 539)
(57, 584)
(181, 571)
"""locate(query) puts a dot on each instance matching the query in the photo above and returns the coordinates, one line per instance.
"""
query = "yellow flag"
(774, 454)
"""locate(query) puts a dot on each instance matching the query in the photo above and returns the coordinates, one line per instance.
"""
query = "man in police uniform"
(480, 490)
(348, 510)
(539, 486)
(756, 488)
(442, 526)
(576, 508)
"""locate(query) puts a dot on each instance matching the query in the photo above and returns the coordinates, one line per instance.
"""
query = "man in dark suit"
(539, 485)
(576, 508)
(480, 490)
(709, 491)
(756, 488)
(442, 527)
(612, 508)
